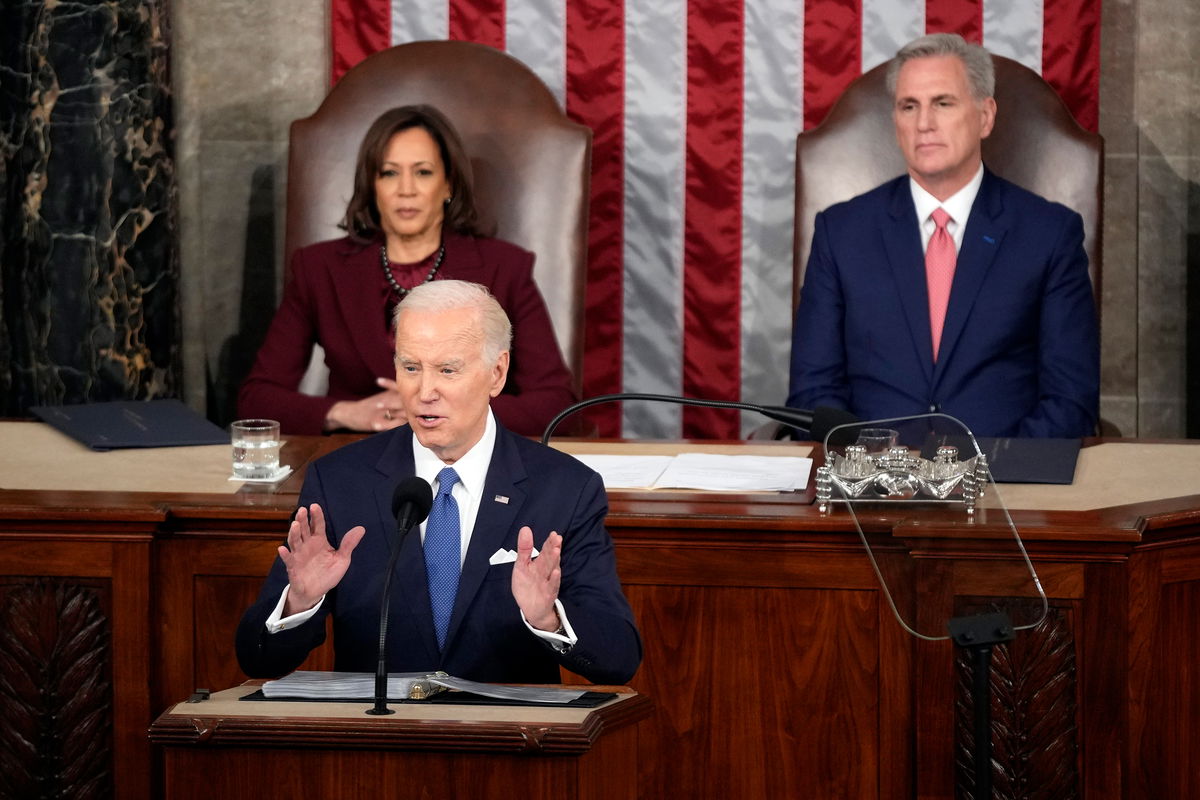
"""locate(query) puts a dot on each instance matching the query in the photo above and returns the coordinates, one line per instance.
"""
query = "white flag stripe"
(655, 142)
(886, 26)
(535, 33)
(772, 115)
(419, 20)
(1014, 29)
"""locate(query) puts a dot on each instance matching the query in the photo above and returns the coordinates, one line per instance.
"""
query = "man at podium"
(512, 575)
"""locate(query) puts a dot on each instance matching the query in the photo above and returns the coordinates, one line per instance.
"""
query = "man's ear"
(499, 373)
(988, 109)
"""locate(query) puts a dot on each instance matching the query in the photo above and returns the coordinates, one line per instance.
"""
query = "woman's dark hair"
(362, 215)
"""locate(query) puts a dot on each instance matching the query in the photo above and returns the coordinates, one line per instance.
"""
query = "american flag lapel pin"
(502, 499)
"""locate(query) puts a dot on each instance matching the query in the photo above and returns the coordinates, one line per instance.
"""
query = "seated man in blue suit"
(529, 582)
(949, 289)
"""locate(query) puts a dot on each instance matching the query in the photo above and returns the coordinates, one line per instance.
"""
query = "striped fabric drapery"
(695, 105)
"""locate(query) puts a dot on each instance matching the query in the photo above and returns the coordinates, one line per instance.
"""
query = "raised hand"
(313, 565)
(535, 580)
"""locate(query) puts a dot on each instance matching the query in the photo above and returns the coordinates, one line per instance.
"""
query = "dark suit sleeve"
(271, 390)
(539, 383)
(609, 649)
(1068, 344)
(269, 655)
(818, 371)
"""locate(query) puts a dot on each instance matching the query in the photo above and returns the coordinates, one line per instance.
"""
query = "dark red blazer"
(333, 298)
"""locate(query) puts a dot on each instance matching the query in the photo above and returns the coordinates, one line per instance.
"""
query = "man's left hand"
(535, 580)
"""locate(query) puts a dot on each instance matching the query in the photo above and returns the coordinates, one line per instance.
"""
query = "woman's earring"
(448, 199)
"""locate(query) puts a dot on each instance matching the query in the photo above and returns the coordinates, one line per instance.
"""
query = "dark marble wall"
(89, 270)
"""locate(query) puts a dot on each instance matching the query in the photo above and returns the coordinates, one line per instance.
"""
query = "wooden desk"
(775, 665)
(226, 747)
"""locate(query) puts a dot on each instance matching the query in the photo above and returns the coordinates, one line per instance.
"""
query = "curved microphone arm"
(796, 417)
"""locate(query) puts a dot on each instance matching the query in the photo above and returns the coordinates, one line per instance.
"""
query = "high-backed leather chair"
(531, 164)
(1035, 143)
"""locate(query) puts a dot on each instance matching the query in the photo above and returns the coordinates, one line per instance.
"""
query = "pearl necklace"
(391, 279)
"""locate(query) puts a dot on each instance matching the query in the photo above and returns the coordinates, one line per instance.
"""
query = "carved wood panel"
(55, 690)
(1035, 736)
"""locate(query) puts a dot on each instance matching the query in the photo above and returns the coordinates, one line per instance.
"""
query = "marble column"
(89, 272)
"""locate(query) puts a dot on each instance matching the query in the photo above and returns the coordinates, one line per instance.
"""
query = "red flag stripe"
(832, 53)
(964, 17)
(357, 28)
(712, 274)
(479, 21)
(596, 98)
(1071, 56)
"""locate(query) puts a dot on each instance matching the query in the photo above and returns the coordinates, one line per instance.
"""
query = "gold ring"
(387, 413)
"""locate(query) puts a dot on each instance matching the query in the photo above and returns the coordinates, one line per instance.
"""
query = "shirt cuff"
(561, 640)
(277, 622)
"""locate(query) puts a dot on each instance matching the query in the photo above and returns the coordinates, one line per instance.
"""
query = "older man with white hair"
(512, 576)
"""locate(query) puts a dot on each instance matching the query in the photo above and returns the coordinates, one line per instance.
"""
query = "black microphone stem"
(384, 606)
(411, 501)
(795, 417)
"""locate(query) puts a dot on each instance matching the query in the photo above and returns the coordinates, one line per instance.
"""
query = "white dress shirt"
(957, 205)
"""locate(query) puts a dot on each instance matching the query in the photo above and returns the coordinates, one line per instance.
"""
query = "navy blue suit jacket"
(527, 484)
(1019, 354)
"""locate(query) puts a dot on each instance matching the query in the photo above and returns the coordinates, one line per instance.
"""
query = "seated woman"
(411, 219)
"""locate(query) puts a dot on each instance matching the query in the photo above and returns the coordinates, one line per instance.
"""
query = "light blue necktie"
(443, 562)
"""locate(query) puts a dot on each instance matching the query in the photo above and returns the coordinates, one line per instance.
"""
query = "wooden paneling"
(74, 657)
(1164, 657)
(206, 582)
(763, 687)
(773, 658)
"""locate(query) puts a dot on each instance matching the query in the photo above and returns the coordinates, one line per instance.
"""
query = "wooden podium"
(228, 747)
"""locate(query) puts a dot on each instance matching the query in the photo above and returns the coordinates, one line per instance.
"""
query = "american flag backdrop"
(694, 107)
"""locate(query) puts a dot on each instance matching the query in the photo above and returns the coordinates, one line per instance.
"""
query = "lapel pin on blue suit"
(501, 499)
(989, 239)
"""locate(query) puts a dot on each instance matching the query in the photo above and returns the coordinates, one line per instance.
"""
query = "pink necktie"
(939, 273)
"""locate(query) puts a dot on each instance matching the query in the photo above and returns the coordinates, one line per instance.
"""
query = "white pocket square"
(503, 556)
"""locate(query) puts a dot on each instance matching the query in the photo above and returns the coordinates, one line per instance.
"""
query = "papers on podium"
(703, 471)
(307, 685)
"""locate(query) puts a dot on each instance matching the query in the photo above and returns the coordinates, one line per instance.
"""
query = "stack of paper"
(717, 473)
(351, 685)
(305, 685)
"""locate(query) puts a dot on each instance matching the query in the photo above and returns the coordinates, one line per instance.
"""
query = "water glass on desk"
(255, 448)
(877, 441)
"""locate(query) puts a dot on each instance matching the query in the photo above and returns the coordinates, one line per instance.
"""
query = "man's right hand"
(313, 565)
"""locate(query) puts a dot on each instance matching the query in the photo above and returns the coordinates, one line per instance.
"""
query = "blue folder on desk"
(132, 423)
(1013, 460)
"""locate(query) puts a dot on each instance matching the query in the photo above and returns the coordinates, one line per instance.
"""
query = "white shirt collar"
(472, 467)
(957, 205)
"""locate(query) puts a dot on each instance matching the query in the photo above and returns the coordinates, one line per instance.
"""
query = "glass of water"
(255, 448)
(877, 440)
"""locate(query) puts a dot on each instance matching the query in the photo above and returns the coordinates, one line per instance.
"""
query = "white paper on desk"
(627, 472)
(312, 685)
(525, 694)
(735, 473)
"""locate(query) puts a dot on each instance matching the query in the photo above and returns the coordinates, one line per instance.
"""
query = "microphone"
(818, 421)
(411, 502)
